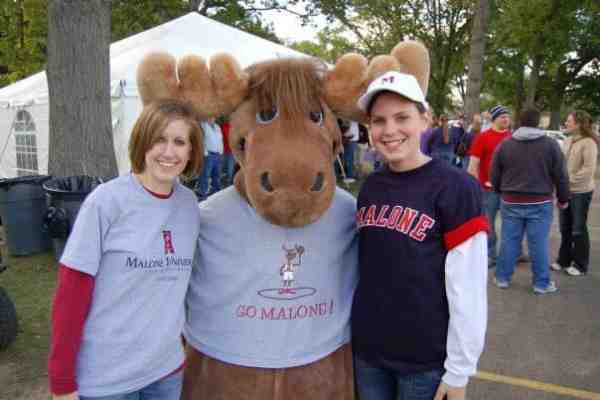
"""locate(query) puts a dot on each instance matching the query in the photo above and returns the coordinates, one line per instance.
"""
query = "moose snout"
(317, 186)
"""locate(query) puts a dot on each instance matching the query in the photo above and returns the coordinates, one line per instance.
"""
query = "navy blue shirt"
(408, 221)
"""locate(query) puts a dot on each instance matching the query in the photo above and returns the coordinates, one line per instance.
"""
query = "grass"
(30, 282)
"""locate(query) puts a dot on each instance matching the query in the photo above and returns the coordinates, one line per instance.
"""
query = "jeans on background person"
(535, 221)
(491, 205)
(375, 383)
(349, 151)
(212, 171)
(228, 165)
(575, 239)
(168, 388)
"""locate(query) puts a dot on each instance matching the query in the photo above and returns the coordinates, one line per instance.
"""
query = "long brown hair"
(584, 120)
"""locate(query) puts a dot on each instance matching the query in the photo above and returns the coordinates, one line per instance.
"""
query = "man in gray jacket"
(526, 170)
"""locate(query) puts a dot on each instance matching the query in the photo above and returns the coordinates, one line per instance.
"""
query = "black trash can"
(65, 196)
(23, 208)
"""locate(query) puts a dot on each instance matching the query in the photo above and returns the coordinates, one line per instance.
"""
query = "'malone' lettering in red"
(402, 219)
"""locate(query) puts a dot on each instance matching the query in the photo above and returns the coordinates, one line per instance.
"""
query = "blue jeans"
(574, 235)
(168, 388)
(212, 171)
(374, 383)
(491, 205)
(534, 220)
(349, 150)
(228, 165)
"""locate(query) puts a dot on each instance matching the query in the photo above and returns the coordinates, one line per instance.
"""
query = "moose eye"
(317, 117)
(266, 116)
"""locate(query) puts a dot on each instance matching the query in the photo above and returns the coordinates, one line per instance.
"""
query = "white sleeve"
(466, 289)
(354, 131)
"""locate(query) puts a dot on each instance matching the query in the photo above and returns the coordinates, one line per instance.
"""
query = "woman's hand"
(70, 396)
(446, 392)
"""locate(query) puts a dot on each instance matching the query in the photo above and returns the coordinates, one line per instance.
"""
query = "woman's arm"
(466, 289)
(70, 309)
(588, 166)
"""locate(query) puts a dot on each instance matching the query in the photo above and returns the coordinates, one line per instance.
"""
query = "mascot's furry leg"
(330, 378)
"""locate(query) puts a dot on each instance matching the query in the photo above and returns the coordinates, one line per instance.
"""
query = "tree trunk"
(476, 57)
(533, 80)
(195, 5)
(519, 96)
(81, 139)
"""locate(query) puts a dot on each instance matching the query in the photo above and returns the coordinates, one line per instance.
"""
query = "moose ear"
(413, 58)
(344, 84)
(211, 92)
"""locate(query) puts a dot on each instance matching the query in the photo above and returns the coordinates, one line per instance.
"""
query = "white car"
(559, 136)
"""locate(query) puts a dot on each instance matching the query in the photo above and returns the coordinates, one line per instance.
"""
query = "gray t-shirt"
(140, 250)
(268, 296)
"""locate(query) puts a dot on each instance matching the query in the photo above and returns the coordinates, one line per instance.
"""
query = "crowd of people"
(432, 203)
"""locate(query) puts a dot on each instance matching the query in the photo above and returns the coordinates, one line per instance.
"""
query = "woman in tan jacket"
(581, 151)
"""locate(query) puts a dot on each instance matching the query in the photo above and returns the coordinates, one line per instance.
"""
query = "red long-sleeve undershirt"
(70, 309)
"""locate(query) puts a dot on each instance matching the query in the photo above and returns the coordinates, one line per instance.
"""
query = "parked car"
(559, 136)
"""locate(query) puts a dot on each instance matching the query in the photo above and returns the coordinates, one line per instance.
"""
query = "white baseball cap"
(403, 84)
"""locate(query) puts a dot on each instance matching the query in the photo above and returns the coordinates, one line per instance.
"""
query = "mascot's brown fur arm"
(306, 99)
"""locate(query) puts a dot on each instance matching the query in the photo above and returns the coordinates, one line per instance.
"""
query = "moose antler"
(351, 75)
(211, 92)
(345, 84)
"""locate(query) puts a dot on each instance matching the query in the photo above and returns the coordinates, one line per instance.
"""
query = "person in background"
(228, 159)
(420, 309)
(480, 155)
(581, 152)
(350, 137)
(443, 141)
(526, 170)
(486, 120)
(432, 125)
(118, 310)
(213, 152)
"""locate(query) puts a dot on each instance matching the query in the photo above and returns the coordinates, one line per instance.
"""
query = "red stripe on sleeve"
(70, 309)
(466, 231)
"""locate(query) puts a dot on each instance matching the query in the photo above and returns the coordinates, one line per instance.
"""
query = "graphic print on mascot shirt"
(287, 291)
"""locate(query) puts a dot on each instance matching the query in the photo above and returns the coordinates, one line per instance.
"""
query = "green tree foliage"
(331, 44)
(24, 25)
(23, 31)
(442, 25)
(547, 48)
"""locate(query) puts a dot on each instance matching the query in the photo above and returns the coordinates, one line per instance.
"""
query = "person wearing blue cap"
(480, 155)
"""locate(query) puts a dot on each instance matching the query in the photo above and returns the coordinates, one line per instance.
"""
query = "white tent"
(24, 104)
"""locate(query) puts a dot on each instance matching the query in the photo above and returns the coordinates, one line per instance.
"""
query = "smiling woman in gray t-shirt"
(119, 306)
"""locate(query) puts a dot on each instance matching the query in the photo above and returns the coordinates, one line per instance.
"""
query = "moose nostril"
(318, 185)
(265, 182)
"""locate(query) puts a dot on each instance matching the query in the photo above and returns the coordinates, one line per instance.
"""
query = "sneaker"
(573, 271)
(551, 288)
(556, 266)
(349, 180)
(501, 284)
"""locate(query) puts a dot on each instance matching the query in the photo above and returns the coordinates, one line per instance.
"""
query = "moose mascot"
(269, 302)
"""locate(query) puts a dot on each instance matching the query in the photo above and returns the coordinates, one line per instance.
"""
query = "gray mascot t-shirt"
(267, 296)
(140, 250)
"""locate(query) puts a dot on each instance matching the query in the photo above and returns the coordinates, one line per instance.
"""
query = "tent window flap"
(26, 144)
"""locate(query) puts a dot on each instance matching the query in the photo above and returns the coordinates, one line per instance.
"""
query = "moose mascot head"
(262, 323)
